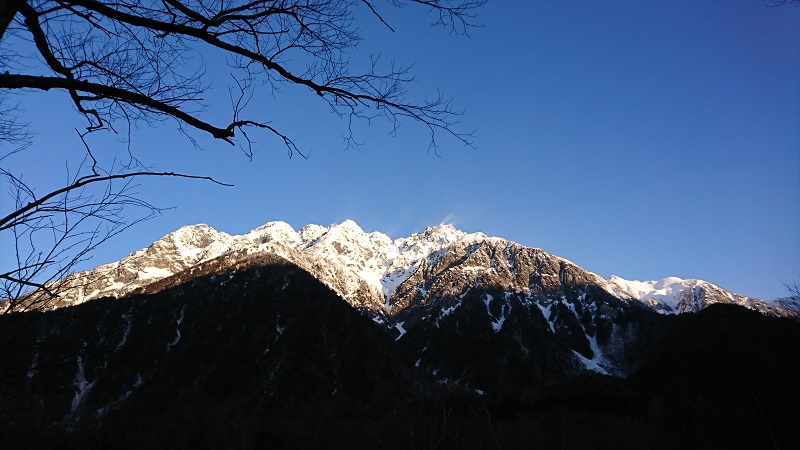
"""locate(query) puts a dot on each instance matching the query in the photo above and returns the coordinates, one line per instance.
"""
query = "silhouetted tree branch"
(55, 232)
(129, 58)
(134, 61)
(794, 291)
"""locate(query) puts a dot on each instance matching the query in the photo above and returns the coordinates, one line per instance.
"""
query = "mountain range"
(441, 338)
(375, 273)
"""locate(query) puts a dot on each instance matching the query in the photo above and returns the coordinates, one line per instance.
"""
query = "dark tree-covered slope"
(253, 352)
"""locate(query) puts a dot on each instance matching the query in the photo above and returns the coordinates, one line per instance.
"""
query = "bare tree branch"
(21, 215)
(794, 291)
(55, 232)
(16, 81)
(123, 56)
(141, 61)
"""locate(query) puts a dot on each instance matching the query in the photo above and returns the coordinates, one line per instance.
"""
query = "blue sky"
(641, 139)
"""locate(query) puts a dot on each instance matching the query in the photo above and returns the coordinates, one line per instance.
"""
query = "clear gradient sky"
(641, 139)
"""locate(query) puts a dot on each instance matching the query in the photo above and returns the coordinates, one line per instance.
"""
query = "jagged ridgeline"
(330, 336)
(375, 273)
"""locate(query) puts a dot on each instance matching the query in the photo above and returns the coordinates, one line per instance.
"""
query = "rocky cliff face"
(384, 276)
(534, 302)
(430, 285)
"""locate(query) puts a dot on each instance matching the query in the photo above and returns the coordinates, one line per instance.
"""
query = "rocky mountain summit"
(430, 285)
(384, 276)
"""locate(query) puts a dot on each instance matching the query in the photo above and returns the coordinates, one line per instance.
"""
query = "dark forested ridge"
(268, 357)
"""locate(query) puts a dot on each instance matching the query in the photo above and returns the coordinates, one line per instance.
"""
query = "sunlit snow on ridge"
(365, 269)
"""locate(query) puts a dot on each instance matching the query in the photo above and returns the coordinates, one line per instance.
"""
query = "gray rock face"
(491, 262)
(374, 273)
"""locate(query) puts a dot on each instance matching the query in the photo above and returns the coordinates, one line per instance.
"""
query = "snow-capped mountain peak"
(274, 232)
(369, 270)
(665, 292)
(676, 295)
(194, 241)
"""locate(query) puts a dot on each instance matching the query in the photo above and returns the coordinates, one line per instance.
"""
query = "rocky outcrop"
(384, 276)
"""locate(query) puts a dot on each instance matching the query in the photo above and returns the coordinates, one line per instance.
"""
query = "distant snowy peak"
(662, 295)
(674, 295)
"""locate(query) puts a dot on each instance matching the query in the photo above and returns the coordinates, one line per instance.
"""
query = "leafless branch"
(141, 61)
(24, 213)
(128, 58)
(54, 232)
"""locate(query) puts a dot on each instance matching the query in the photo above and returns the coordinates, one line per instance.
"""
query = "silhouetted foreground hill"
(265, 356)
